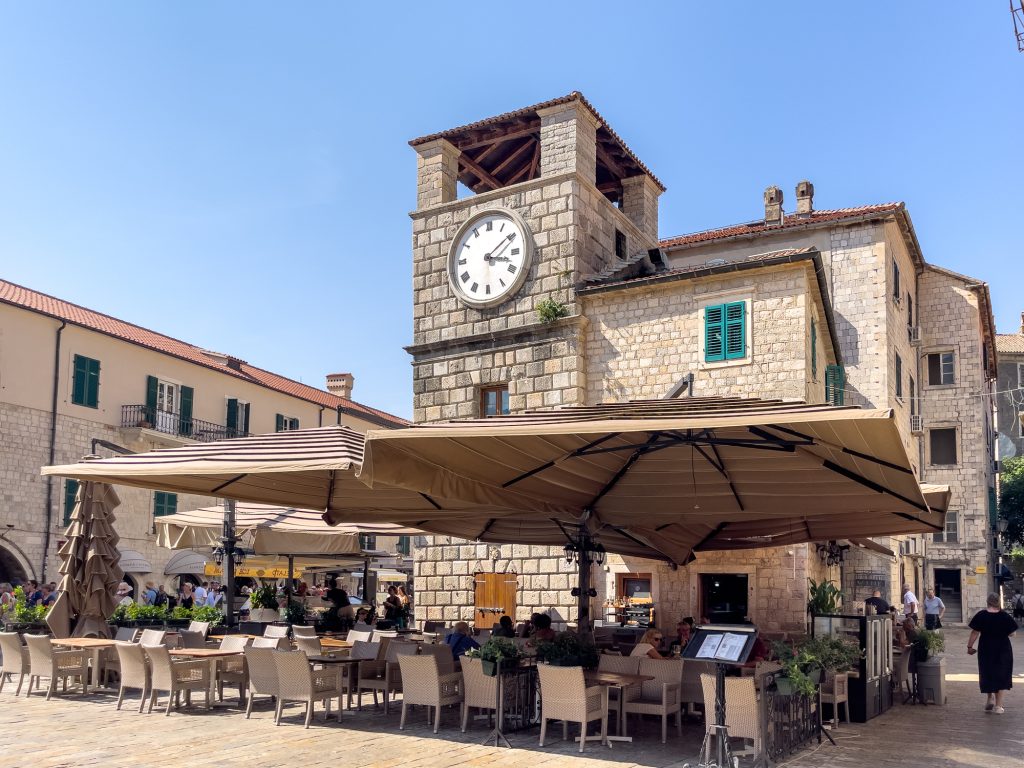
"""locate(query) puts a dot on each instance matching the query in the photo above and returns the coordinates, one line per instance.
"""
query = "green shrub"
(823, 598)
(264, 597)
(549, 310)
(208, 613)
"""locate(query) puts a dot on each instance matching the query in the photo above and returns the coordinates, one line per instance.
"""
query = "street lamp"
(1001, 525)
(237, 556)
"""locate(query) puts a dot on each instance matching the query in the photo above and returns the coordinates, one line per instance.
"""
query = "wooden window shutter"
(70, 494)
(835, 383)
(735, 330)
(814, 350)
(245, 420)
(714, 333)
(78, 385)
(187, 395)
(151, 387)
(279, 423)
(232, 419)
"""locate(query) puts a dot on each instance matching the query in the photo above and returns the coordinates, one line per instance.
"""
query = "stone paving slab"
(88, 731)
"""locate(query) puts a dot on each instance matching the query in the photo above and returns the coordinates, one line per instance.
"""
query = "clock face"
(490, 258)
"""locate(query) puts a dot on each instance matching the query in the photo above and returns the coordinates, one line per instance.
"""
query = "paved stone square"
(77, 731)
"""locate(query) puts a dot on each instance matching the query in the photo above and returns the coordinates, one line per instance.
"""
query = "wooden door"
(495, 596)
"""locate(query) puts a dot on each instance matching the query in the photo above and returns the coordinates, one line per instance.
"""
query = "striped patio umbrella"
(89, 564)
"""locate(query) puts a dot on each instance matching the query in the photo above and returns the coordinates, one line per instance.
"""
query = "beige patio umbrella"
(89, 564)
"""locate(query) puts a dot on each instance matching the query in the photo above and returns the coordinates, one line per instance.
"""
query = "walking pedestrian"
(909, 603)
(992, 629)
(934, 610)
(1017, 604)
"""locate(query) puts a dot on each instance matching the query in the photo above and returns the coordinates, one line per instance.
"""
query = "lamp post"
(1001, 525)
(228, 542)
(583, 550)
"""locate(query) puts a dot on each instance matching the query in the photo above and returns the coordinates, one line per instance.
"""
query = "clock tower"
(555, 197)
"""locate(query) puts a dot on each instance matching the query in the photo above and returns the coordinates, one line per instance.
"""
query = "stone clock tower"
(556, 197)
(573, 199)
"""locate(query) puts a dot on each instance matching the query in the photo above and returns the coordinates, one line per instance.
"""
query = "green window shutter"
(245, 419)
(279, 423)
(295, 424)
(151, 386)
(79, 381)
(403, 547)
(70, 494)
(714, 333)
(187, 396)
(232, 421)
(835, 383)
(93, 384)
(164, 503)
(735, 330)
(814, 350)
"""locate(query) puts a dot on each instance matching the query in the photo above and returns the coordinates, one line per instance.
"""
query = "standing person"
(161, 596)
(392, 606)
(879, 603)
(6, 598)
(215, 596)
(934, 610)
(994, 627)
(149, 594)
(124, 594)
(1017, 604)
(909, 603)
(33, 594)
(200, 594)
(405, 606)
(187, 598)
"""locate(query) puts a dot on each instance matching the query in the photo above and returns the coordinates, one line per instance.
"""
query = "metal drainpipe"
(53, 450)
(320, 417)
(339, 415)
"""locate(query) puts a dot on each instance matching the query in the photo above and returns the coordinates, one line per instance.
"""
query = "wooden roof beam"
(606, 159)
(500, 137)
(479, 171)
(516, 153)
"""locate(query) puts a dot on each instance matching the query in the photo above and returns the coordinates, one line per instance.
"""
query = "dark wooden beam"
(499, 137)
(478, 171)
(609, 162)
(529, 170)
(516, 153)
(609, 186)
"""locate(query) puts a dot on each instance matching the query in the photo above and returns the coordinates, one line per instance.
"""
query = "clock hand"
(501, 246)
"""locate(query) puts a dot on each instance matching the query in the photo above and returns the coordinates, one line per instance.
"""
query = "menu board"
(721, 643)
(725, 647)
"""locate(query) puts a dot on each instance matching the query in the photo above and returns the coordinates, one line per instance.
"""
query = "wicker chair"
(690, 692)
(478, 689)
(152, 637)
(384, 674)
(901, 674)
(15, 659)
(188, 638)
(175, 677)
(380, 634)
(425, 685)
(361, 626)
(364, 650)
(564, 696)
(109, 661)
(298, 681)
(275, 630)
(233, 671)
(358, 635)
(280, 643)
(443, 654)
(742, 713)
(202, 627)
(44, 661)
(134, 672)
(259, 662)
(303, 630)
(432, 627)
(659, 696)
(836, 691)
(623, 665)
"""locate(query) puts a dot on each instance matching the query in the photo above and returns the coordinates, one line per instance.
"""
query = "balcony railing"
(173, 424)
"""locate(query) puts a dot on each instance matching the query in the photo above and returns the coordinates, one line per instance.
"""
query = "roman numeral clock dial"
(489, 258)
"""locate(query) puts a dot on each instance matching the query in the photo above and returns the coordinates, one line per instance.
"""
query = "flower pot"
(784, 686)
(815, 675)
(489, 668)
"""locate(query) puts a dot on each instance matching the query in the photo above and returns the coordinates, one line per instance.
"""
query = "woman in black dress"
(995, 627)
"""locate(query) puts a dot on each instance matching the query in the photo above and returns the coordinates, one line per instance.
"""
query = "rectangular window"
(284, 423)
(940, 368)
(814, 350)
(895, 281)
(943, 445)
(899, 376)
(951, 534)
(910, 309)
(237, 418)
(404, 545)
(164, 503)
(725, 331)
(835, 383)
(912, 391)
(85, 389)
(494, 401)
(620, 244)
(367, 541)
(70, 492)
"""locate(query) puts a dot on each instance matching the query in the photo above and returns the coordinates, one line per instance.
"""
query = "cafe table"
(212, 655)
(621, 681)
(94, 645)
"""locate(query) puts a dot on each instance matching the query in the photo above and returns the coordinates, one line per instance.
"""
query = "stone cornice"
(495, 340)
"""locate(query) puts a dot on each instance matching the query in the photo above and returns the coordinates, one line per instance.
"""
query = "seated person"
(648, 645)
(684, 631)
(879, 603)
(460, 641)
(542, 631)
(504, 628)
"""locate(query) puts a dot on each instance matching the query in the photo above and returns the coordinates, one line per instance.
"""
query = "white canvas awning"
(134, 562)
(185, 562)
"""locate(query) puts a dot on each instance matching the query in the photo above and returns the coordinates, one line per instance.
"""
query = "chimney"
(804, 198)
(773, 206)
(1022, 323)
(341, 384)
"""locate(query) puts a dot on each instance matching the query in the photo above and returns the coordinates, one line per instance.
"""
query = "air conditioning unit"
(914, 334)
(917, 424)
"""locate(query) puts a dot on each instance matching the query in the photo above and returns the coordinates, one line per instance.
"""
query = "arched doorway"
(11, 569)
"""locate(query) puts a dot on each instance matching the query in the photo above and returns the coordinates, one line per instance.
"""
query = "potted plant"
(927, 643)
(208, 613)
(497, 650)
(823, 599)
(567, 650)
(264, 604)
(793, 680)
(27, 617)
(295, 613)
(180, 616)
(831, 653)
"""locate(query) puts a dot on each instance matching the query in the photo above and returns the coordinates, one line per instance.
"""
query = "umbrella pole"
(228, 541)
(288, 584)
(366, 580)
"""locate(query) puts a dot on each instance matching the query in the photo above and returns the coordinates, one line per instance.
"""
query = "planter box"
(489, 668)
(264, 615)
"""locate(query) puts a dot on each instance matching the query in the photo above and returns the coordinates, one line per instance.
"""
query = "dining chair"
(188, 638)
(303, 630)
(263, 680)
(564, 696)
(623, 665)
(44, 661)
(385, 674)
(15, 659)
(479, 691)
(659, 696)
(232, 670)
(427, 686)
(281, 643)
(175, 677)
(134, 672)
(275, 630)
(152, 637)
(742, 713)
(299, 681)
(202, 627)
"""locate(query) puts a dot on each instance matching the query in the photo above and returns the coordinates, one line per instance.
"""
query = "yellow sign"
(971, 580)
(253, 572)
(981, 569)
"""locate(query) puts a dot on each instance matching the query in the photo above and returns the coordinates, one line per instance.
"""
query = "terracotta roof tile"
(19, 296)
(1010, 343)
(791, 221)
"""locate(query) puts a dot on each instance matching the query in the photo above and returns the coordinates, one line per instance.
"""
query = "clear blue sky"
(237, 174)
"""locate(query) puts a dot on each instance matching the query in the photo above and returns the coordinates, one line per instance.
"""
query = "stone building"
(74, 381)
(835, 305)
(1010, 392)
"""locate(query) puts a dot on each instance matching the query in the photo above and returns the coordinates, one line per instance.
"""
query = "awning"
(873, 546)
(937, 496)
(392, 576)
(184, 563)
(134, 562)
